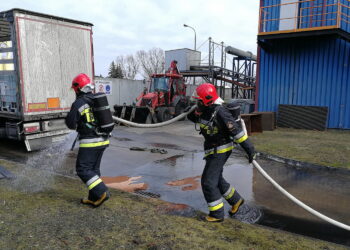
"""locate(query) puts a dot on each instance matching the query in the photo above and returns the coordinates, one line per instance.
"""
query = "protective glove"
(200, 106)
(251, 157)
(249, 149)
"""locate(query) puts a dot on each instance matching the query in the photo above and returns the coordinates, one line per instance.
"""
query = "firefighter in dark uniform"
(91, 145)
(221, 132)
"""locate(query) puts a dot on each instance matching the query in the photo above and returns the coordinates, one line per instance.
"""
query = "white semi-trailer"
(39, 56)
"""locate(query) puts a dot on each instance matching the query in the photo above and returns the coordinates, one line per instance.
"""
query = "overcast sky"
(123, 27)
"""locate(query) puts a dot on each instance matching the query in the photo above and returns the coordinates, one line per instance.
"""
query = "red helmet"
(206, 92)
(81, 81)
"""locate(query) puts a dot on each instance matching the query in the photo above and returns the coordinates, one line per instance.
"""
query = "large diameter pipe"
(237, 52)
(155, 125)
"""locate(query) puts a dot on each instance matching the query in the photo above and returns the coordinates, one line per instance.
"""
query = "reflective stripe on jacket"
(219, 129)
(220, 149)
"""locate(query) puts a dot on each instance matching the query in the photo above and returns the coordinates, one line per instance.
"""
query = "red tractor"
(164, 99)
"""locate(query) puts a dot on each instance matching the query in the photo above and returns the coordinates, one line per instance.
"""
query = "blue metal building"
(304, 56)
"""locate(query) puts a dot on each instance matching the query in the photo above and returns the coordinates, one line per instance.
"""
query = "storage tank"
(184, 57)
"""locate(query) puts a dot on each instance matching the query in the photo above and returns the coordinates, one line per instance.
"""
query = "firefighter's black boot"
(235, 207)
(105, 196)
(209, 218)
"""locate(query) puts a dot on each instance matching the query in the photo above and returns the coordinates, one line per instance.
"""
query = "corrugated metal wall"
(307, 71)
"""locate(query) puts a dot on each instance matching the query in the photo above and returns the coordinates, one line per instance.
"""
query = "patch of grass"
(327, 148)
(53, 218)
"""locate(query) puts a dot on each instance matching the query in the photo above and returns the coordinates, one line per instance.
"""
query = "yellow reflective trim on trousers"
(94, 184)
(242, 139)
(217, 207)
(94, 144)
(221, 151)
(230, 194)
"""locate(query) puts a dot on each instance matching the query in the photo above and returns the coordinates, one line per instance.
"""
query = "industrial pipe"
(155, 125)
(237, 52)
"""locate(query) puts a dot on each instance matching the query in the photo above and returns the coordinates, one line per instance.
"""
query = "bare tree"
(151, 62)
(129, 66)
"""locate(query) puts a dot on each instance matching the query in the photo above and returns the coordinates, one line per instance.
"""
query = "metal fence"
(295, 16)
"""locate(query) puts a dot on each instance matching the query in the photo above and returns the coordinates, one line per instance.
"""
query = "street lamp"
(195, 38)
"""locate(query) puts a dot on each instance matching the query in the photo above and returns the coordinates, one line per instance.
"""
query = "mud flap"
(42, 141)
(248, 214)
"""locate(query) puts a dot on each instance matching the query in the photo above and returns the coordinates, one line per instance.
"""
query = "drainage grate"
(147, 194)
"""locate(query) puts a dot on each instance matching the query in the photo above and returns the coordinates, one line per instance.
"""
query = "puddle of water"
(124, 183)
(171, 176)
(326, 192)
(248, 214)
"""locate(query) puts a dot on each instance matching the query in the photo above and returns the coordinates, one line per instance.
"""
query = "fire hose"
(255, 164)
(291, 197)
(155, 125)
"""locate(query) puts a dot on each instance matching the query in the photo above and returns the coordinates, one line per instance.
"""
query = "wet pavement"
(174, 176)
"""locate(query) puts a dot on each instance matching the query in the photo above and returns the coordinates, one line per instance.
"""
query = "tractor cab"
(159, 84)
(167, 87)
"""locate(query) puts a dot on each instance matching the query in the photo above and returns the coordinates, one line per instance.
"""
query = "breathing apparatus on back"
(101, 121)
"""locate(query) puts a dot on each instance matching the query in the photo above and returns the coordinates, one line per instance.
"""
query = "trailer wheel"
(163, 114)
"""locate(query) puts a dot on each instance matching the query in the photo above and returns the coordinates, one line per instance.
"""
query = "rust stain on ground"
(176, 209)
(124, 183)
(169, 207)
(190, 183)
